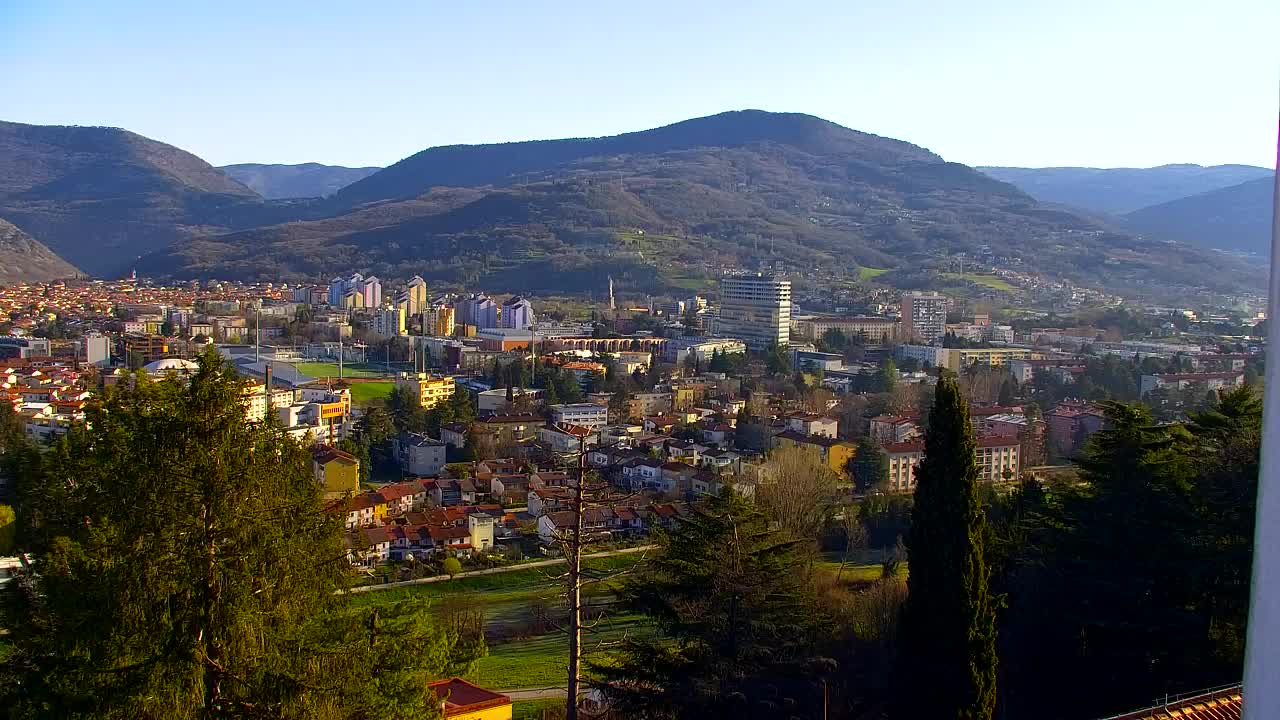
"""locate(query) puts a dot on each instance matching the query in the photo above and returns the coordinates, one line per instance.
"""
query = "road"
(496, 571)
(534, 693)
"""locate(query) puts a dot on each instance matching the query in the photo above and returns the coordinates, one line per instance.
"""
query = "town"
(454, 434)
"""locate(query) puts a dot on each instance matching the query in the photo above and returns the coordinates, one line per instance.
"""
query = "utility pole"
(574, 561)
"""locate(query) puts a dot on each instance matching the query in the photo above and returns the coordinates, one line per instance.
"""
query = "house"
(833, 453)
(813, 424)
(369, 547)
(449, 491)
(1196, 382)
(419, 454)
(363, 510)
(543, 500)
(643, 474)
(567, 440)
(510, 430)
(405, 496)
(337, 472)
(726, 460)
(894, 428)
(685, 451)
(588, 415)
(454, 434)
(461, 700)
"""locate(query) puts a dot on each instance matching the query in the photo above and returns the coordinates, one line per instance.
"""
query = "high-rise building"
(97, 349)
(417, 292)
(924, 316)
(517, 313)
(478, 310)
(388, 321)
(438, 320)
(371, 288)
(756, 309)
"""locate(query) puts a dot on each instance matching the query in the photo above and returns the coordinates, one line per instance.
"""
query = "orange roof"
(1222, 704)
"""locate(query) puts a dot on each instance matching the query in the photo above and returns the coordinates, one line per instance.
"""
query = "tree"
(1007, 392)
(869, 467)
(736, 623)
(451, 566)
(887, 377)
(187, 570)
(8, 530)
(948, 622)
(776, 360)
(407, 414)
(359, 451)
(798, 491)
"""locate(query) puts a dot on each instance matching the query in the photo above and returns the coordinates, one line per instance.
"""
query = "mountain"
(25, 259)
(1123, 190)
(670, 208)
(307, 180)
(100, 197)
(1231, 218)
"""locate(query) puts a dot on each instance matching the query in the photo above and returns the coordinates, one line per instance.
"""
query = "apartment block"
(756, 309)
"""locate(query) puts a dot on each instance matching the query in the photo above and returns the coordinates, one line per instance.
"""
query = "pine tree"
(735, 618)
(948, 622)
(187, 570)
(869, 467)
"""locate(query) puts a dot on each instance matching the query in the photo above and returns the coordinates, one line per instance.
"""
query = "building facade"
(517, 313)
(588, 415)
(430, 391)
(756, 309)
(924, 317)
(869, 329)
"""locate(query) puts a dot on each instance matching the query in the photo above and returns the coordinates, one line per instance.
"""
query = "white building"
(924, 316)
(388, 321)
(756, 309)
(588, 415)
(97, 350)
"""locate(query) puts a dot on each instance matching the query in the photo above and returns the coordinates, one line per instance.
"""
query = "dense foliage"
(186, 569)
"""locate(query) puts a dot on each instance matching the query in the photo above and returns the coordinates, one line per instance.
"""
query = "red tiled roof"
(910, 446)
(1223, 704)
(461, 697)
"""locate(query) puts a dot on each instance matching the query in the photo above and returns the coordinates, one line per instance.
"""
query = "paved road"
(534, 693)
(496, 571)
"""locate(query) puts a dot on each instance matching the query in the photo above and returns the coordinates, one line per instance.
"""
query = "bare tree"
(798, 491)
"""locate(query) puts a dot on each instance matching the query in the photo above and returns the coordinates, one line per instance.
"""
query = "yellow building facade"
(337, 472)
(956, 359)
(430, 391)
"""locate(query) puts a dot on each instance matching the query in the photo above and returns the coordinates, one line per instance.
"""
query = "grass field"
(506, 600)
(364, 393)
(324, 369)
(533, 709)
(991, 281)
(866, 273)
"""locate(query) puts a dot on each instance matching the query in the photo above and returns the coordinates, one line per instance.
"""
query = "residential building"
(1024, 371)
(438, 320)
(813, 424)
(956, 359)
(509, 430)
(430, 391)
(416, 293)
(517, 313)
(461, 700)
(1196, 382)
(997, 458)
(588, 415)
(814, 360)
(142, 349)
(867, 328)
(643, 404)
(570, 440)
(419, 454)
(389, 321)
(924, 317)
(1070, 425)
(500, 339)
(702, 349)
(478, 310)
(756, 309)
(894, 428)
(24, 347)
(337, 472)
(496, 400)
(833, 453)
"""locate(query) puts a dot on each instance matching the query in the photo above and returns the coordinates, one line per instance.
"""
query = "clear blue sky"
(984, 82)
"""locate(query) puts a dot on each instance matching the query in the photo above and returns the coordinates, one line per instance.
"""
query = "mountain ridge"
(278, 181)
(25, 259)
(1237, 217)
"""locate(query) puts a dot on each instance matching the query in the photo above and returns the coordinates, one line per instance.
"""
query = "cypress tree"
(947, 660)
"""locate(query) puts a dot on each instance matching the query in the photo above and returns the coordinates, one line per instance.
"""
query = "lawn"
(991, 281)
(543, 660)
(364, 393)
(534, 709)
(349, 370)
(866, 273)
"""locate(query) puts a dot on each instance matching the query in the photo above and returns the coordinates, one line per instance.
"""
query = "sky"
(1104, 83)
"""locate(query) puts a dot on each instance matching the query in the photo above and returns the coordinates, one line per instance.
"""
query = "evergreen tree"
(187, 570)
(736, 623)
(1007, 392)
(948, 622)
(869, 467)
(776, 360)
(887, 377)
